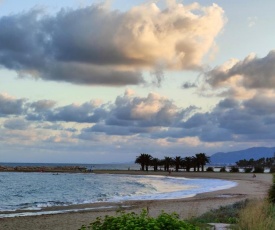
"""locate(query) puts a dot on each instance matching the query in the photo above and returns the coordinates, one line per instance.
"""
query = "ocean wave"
(41, 190)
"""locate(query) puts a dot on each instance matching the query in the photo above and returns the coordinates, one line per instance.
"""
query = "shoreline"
(48, 169)
(247, 188)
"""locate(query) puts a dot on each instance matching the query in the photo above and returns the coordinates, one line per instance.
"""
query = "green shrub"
(258, 169)
(272, 169)
(210, 169)
(133, 221)
(234, 169)
(257, 215)
(225, 214)
(223, 169)
(271, 191)
(248, 170)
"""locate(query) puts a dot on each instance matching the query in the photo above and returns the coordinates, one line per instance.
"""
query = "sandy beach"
(247, 188)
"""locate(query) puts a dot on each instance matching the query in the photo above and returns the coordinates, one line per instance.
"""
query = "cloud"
(98, 46)
(242, 120)
(16, 124)
(252, 21)
(188, 85)
(42, 105)
(231, 120)
(88, 112)
(150, 111)
(133, 115)
(250, 73)
(154, 117)
(10, 105)
(132, 120)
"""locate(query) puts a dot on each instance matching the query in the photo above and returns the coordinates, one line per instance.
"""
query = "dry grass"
(257, 215)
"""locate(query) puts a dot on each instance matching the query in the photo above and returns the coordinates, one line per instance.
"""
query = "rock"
(220, 226)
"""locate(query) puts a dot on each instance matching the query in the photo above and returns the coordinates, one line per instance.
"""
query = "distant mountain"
(231, 157)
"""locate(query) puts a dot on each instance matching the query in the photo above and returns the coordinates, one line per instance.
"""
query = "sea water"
(31, 192)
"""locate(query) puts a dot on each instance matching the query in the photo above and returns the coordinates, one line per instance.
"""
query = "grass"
(257, 215)
(225, 214)
(244, 215)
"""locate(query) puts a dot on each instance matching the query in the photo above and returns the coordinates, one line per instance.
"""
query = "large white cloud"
(95, 45)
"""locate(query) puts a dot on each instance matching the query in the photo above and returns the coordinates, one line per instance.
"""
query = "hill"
(232, 157)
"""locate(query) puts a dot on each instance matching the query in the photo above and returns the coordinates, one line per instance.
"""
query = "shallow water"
(34, 191)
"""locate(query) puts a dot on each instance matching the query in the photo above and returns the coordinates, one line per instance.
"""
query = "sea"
(27, 194)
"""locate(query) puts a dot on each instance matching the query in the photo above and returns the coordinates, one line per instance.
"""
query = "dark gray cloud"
(45, 110)
(22, 41)
(150, 111)
(188, 85)
(143, 116)
(54, 126)
(42, 105)
(231, 120)
(81, 113)
(152, 117)
(55, 48)
(86, 112)
(239, 120)
(10, 106)
(260, 105)
(227, 103)
(16, 124)
(80, 73)
(97, 46)
(256, 73)
(197, 120)
(116, 130)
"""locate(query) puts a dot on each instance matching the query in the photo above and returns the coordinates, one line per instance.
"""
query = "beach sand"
(247, 188)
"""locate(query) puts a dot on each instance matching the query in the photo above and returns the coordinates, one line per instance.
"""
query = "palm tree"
(194, 163)
(155, 163)
(202, 160)
(167, 163)
(144, 160)
(187, 163)
(178, 162)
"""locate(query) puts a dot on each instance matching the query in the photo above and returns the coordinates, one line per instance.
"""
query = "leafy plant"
(271, 191)
(272, 169)
(225, 214)
(223, 169)
(248, 170)
(234, 169)
(258, 169)
(142, 221)
(210, 169)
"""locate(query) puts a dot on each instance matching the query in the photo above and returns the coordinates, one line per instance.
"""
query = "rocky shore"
(56, 169)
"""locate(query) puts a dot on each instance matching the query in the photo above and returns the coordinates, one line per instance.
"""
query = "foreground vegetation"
(257, 215)
(244, 215)
(225, 214)
(133, 221)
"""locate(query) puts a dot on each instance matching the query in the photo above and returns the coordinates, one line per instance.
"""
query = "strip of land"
(53, 169)
(248, 188)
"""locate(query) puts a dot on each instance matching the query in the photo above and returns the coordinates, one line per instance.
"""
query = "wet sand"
(247, 188)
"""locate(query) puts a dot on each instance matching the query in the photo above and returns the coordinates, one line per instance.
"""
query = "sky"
(103, 81)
